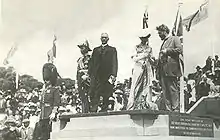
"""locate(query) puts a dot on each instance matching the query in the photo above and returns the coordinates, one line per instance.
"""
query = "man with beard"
(102, 71)
(169, 70)
(83, 79)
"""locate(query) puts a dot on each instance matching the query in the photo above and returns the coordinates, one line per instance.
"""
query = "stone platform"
(132, 125)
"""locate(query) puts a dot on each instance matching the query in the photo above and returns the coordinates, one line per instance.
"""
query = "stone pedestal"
(120, 126)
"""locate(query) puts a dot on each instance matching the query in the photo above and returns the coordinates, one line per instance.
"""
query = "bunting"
(10, 54)
(52, 52)
(200, 15)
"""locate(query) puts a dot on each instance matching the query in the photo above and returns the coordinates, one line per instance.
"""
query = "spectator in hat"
(169, 68)
(26, 130)
(83, 80)
(10, 132)
(78, 109)
(103, 70)
(111, 104)
(203, 88)
(217, 70)
(142, 73)
(216, 62)
(208, 65)
(197, 76)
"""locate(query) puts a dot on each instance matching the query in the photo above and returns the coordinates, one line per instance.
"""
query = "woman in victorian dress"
(142, 76)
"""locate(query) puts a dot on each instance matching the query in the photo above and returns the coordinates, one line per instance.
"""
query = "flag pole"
(212, 32)
(17, 79)
(182, 100)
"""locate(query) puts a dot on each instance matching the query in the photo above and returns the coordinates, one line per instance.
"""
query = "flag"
(52, 52)
(200, 15)
(145, 19)
(6, 62)
(178, 31)
(10, 54)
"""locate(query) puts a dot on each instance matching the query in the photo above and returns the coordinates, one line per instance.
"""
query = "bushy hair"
(163, 28)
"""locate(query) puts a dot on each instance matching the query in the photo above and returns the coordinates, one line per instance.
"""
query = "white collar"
(104, 45)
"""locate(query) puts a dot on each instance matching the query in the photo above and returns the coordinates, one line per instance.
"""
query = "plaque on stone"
(190, 126)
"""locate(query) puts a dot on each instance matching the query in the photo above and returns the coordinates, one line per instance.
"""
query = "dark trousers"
(83, 93)
(100, 89)
(171, 91)
(42, 130)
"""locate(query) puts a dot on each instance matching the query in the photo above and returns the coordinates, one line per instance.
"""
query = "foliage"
(69, 83)
(8, 76)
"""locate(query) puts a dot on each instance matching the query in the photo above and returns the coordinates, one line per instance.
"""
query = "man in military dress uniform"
(83, 79)
(50, 101)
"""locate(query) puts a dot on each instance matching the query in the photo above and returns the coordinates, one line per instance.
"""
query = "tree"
(8, 77)
(67, 81)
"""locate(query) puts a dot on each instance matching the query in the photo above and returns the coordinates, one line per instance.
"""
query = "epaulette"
(79, 59)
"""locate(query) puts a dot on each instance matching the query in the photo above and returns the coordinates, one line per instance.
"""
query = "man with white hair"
(103, 70)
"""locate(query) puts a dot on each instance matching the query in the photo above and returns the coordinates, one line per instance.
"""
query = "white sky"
(32, 23)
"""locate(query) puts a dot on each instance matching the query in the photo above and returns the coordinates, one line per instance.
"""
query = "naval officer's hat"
(84, 43)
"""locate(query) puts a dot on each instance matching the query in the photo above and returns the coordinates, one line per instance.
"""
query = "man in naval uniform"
(83, 80)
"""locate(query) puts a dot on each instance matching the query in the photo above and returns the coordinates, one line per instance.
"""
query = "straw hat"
(144, 33)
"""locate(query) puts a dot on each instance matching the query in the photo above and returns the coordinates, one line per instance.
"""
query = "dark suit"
(103, 64)
(169, 71)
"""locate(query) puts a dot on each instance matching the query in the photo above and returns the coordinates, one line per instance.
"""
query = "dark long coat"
(103, 63)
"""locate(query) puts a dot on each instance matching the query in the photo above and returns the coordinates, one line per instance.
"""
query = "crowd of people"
(204, 82)
(22, 108)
